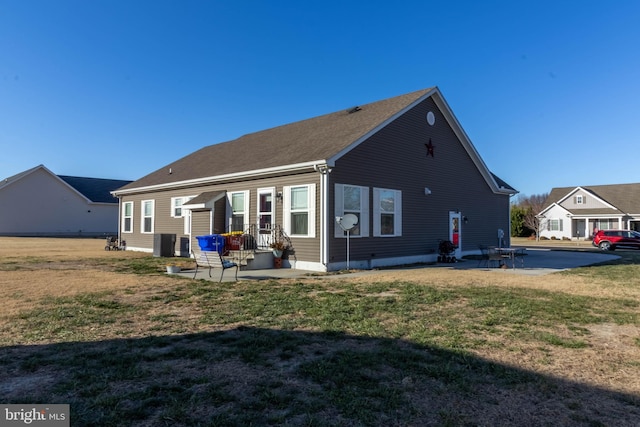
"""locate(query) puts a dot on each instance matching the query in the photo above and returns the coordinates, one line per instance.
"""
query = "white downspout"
(324, 171)
(119, 230)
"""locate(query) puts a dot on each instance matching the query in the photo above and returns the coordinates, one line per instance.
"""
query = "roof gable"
(622, 197)
(10, 180)
(95, 190)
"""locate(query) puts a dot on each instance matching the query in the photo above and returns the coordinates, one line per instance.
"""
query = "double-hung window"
(555, 225)
(127, 217)
(239, 202)
(387, 212)
(300, 210)
(352, 199)
(148, 208)
(176, 206)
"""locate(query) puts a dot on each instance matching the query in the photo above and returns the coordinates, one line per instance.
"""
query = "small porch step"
(254, 259)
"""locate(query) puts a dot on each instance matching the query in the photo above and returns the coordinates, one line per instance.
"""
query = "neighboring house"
(577, 212)
(38, 202)
(403, 166)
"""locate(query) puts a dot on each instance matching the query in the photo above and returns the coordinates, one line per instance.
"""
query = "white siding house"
(577, 212)
(38, 202)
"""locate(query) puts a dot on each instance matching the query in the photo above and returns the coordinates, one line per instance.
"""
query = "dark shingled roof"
(314, 139)
(95, 189)
(502, 183)
(625, 197)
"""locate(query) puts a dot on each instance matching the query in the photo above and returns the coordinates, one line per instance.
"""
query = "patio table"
(512, 254)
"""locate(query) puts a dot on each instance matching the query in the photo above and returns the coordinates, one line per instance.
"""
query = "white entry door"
(266, 215)
(455, 232)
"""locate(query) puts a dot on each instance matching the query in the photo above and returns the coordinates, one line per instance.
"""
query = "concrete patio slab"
(537, 262)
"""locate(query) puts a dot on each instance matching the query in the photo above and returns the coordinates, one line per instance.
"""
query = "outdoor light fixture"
(323, 169)
(279, 196)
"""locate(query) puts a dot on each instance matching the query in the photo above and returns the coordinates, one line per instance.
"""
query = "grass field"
(125, 344)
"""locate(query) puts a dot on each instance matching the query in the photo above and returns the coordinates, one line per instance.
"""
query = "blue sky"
(548, 91)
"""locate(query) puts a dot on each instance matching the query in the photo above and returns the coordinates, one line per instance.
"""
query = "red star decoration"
(430, 148)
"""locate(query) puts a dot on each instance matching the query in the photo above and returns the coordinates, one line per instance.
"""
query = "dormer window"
(579, 199)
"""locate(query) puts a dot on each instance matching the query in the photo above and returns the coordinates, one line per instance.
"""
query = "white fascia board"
(596, 216)
(219, 179)
(194, 207)
(552, 206)
(205, 205)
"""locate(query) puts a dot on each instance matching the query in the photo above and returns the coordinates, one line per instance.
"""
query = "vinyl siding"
(396, 158)
(306, 249)
(589, 201)
(393, 158)
(40, 204)
(200, 226)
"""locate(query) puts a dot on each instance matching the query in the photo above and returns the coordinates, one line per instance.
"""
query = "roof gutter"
(221, 179)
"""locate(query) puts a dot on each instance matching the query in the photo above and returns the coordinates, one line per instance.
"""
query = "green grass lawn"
(317, 352)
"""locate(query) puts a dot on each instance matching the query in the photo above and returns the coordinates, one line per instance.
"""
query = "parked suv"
(609, 240)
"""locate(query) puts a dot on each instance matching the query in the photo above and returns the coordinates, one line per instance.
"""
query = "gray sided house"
(38, 202)
(403, 166)
(576, 212)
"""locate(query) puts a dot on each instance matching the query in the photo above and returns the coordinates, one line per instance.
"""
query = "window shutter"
(561, 224)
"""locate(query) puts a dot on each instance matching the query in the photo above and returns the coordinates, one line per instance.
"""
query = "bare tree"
(532, 206)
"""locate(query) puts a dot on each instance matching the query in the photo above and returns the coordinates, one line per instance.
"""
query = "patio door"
(266, 215)
(455, 231)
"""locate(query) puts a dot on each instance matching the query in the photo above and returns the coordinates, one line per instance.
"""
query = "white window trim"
(124, 217)
(184, 199)
(556, 221)
(397, 214)
(245, 212)
(153, 216)
(311, 209)
(266, 190)
(364, 210)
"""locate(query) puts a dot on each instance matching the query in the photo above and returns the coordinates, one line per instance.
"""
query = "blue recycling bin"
(211, 242)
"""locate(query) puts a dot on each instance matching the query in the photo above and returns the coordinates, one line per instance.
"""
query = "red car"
(609, 240)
